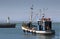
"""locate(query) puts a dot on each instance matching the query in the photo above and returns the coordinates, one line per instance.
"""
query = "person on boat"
(40, 25)
(48, 24)
(43, 24)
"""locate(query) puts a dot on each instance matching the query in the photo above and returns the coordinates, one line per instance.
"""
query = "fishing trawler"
(45, 26)
(8, 24)
(45, 30)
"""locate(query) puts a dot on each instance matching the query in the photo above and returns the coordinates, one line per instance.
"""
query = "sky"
(19, 10)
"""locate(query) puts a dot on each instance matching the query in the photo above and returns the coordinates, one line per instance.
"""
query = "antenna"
(40, 13)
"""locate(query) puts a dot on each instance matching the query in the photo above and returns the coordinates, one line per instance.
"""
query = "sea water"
(17, 33)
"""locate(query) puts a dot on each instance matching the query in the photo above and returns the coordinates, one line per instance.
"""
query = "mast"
(44, 10)
(31, 13)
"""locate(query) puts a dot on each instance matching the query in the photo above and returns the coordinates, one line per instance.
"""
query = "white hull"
(38, 32)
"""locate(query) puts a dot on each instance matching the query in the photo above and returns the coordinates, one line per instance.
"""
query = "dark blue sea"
(17, 33)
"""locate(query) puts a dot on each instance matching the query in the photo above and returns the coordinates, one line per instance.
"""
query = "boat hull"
(39, 32)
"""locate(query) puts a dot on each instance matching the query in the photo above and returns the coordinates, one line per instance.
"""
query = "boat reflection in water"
(38, 36)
